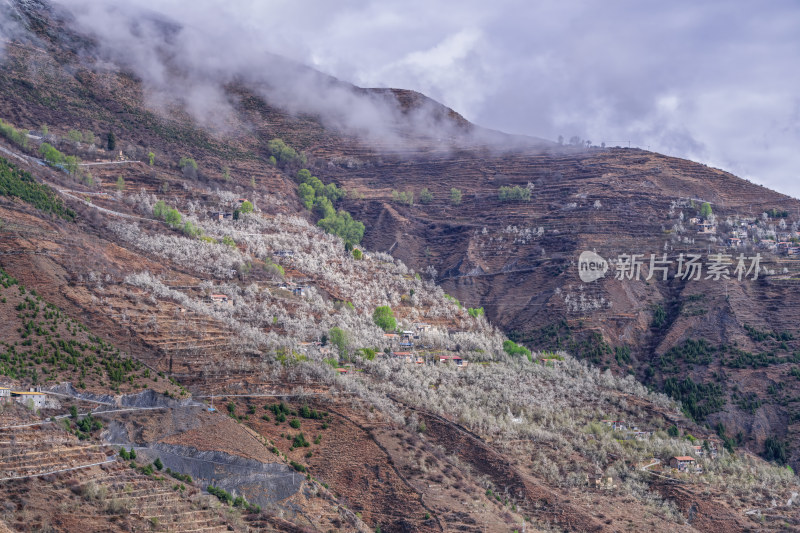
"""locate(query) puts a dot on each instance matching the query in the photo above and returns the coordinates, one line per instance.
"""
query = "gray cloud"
(192, 61)
(712, 81)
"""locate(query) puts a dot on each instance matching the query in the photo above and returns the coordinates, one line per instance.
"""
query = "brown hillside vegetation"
(158, 294)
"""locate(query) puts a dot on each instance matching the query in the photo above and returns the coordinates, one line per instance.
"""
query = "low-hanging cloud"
(712, 81)
(194, 62)
(10, 27)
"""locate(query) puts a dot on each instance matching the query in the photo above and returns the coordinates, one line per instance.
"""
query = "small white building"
(220, 300)
(30, 398)
(5, 394)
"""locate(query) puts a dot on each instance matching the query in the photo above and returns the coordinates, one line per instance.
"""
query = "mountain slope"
(475, 448)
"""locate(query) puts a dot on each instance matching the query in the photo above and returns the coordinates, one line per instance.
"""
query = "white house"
(35, 398)
(220, 300)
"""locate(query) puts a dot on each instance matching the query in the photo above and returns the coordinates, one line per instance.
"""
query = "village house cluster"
(406, 346)
(775, 239)
(408, 340)
(298, 288)
(225, 215)
(679, 463)
(740, 242)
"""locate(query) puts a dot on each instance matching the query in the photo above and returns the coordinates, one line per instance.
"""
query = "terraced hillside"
(518, 260)
(192, 253)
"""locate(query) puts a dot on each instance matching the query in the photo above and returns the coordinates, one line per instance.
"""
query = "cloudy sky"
(713, 81)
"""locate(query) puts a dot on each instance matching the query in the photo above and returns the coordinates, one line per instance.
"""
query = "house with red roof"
(682, 462)
(452, 359)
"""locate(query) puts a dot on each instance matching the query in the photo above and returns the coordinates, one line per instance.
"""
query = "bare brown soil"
(395, 477)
